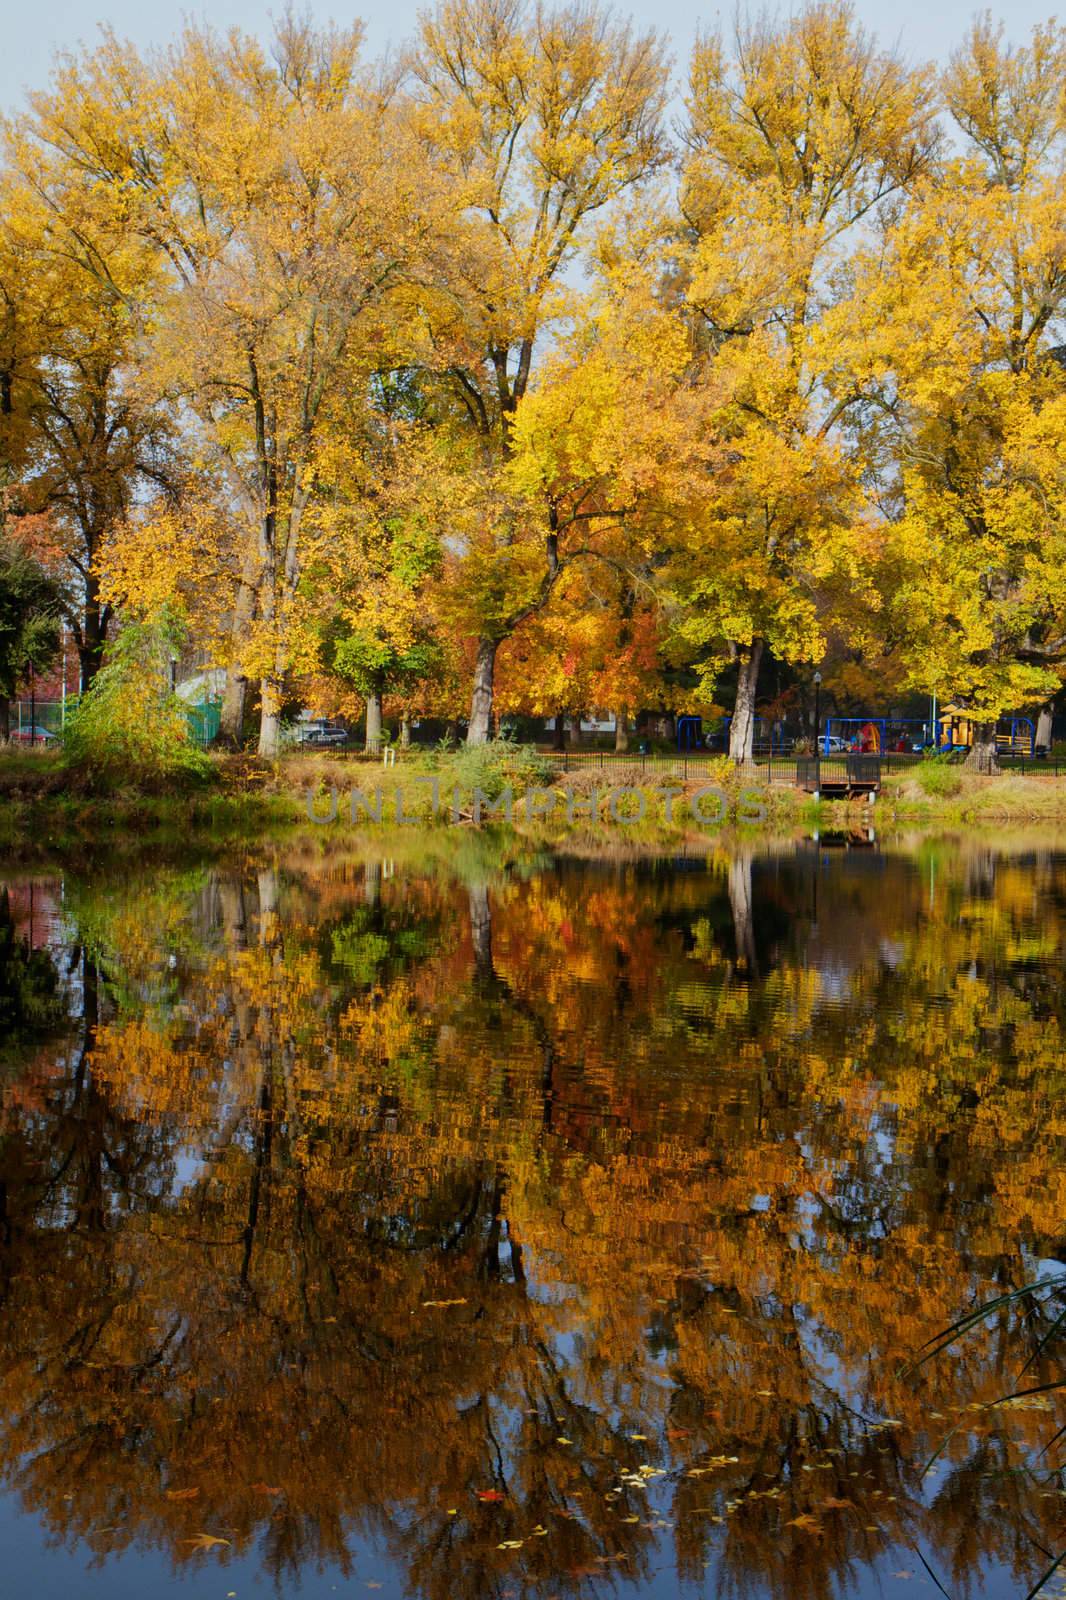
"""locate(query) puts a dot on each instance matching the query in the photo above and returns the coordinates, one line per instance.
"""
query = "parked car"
(321, 733)
(833, 746)
(34, 735)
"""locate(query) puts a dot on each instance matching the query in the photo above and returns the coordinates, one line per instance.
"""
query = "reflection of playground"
(845, 839)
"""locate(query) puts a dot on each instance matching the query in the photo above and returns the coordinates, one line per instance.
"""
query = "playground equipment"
(689, 733)
(953, 729)
(1015, 736)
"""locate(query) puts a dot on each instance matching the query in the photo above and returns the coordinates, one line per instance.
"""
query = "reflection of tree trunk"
(372, 882)
(265, 1040)
(233, 912)
(742, 727)
(488, 1269)
(740, 903)
(92, 1207)
(263, 1142)
(481, 933)
(267, 880)
(491, 984)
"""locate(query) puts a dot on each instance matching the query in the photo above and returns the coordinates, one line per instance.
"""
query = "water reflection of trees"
(353, 1198)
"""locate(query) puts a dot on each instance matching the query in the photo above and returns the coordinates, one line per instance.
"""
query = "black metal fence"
(766, 767)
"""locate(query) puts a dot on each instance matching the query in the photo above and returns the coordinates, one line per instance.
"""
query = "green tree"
(130, 724)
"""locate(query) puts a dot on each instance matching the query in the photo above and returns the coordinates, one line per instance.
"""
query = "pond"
(533, 1228)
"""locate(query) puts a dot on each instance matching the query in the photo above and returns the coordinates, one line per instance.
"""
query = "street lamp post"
(817, 735)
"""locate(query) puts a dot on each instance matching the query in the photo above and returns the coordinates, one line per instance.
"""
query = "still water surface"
(555, 1229)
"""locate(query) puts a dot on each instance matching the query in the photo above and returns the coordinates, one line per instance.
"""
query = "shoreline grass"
(46, 808)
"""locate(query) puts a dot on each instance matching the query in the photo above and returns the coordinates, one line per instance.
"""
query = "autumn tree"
(83, 439)
(962, 320)
(377, 554)
(795, 136)
(544, 118)
(285, 199)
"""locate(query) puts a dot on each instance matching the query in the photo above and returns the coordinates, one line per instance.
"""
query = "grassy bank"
(46, 807)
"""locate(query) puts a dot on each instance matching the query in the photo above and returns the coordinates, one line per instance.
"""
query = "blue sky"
(925, 29)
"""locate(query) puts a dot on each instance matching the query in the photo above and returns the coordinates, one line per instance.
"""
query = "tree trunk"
(621, 731)
(234, 700)
(5, 717)
(270, 722)
(983, 756)
(559, 737)
(742, 727)
(93, 633)
(405, 731)
(1044, 726)
(373, 722)
(481, 700)
(231, 724)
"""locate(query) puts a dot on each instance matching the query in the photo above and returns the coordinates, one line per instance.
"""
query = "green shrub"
(938, 778)
(130, 726)
(493, 767)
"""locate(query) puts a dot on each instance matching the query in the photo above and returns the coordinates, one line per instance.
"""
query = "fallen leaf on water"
(562, 1439)
(511, 1544)
(831, 1503)
(639, 1438)
(182, 1494)
(205, 1541)
(460, 1302)
(265, 1488)
(490, 1496)
(540, 1532)
(805, 1521)
(904, 1573)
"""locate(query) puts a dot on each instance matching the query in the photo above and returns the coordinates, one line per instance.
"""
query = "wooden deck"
(846, 777)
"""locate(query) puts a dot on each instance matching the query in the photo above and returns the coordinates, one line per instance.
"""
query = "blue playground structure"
(690, 733)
